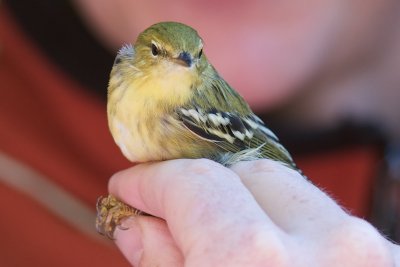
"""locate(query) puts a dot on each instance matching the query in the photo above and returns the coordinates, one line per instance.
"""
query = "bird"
(166, 101)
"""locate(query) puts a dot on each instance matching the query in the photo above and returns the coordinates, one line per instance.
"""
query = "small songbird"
(166, 101)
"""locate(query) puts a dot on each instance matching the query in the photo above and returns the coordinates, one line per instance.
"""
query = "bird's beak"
(184, 59)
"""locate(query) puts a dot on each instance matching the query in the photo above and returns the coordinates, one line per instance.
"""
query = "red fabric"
(48, 123)
(346, 174)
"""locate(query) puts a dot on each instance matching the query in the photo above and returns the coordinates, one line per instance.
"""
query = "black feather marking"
(201, 132)
(256, 135)
(236, 124)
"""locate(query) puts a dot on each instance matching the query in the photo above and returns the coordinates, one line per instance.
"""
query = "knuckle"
(265, 248)
(203, 181)
(203, 167)
(358, 241)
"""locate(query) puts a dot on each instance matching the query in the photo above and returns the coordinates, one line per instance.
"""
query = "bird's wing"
(234, 133)
(218, 114)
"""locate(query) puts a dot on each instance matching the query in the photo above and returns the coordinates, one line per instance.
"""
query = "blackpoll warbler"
(166, 101)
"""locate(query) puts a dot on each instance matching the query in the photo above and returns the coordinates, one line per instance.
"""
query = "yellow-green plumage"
(166, 101)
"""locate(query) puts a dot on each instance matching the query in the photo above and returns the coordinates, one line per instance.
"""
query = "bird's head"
(170, 41)
(167, 59)
(170, 45)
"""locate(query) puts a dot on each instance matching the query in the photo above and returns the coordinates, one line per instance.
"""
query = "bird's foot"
(111, 213)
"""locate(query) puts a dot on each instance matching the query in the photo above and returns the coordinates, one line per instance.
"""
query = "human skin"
(257, 213)
(261, 40)
(321, 61)
(310, 51)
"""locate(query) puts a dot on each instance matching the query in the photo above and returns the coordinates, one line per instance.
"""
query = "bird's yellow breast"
(168, 83)
(139, 105)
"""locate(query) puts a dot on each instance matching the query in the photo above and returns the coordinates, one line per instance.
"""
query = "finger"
(287, 197)
(129, 240)
(148, 242)
(203, 203)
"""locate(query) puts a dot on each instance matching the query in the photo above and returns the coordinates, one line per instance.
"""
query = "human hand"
(257, 213)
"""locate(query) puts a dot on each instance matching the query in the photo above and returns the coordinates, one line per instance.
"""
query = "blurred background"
(323, 75)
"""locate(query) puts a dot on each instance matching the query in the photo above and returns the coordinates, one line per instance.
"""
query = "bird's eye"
(154, 50)
(200, 53)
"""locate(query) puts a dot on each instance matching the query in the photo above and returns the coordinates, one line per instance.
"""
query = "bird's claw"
(110, 214)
